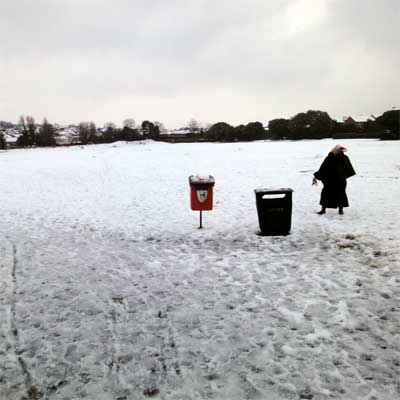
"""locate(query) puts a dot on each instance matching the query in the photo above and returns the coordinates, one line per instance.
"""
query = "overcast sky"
(212, 60)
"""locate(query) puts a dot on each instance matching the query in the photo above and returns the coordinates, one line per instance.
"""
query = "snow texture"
(109, 291)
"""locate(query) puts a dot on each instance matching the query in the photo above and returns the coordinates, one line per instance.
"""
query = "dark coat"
(333, 173)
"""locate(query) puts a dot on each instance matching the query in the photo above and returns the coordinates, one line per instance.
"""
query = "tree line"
(32, 134)
(88, 132)
(315, 124)
(224, 132)
(312, 124)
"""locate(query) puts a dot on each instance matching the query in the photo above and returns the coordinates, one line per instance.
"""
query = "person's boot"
(341, 211)
(323, 211)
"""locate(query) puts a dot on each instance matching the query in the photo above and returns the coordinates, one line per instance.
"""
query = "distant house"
(358, 120)
(11, 136)
(67, 135)
(178, 132)
(181, 135)
(356, 127)
(11, 141)
(62, 140)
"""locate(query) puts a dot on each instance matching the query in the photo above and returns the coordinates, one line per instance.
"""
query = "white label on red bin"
(202, 195)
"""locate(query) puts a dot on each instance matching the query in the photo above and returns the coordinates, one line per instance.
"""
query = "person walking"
(333, 173)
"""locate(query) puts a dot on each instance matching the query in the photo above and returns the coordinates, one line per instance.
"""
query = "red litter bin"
(201, 193)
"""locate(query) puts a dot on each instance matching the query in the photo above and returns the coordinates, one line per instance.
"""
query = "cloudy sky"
(212, 60)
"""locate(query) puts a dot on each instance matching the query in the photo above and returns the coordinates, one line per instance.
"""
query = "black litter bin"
(274, 208)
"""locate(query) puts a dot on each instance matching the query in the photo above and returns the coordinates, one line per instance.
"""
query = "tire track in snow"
(162, 361)
(8, 363)
(32, 392)
(117, 312)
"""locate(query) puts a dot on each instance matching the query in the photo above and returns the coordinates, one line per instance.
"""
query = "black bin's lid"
(202, 180)
(273, 191)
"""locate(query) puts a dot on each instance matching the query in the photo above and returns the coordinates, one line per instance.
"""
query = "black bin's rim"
(273, 191)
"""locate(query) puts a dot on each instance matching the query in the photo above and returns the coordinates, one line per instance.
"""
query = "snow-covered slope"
(109, 291)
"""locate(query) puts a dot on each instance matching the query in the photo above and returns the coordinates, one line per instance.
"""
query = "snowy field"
(108, 291)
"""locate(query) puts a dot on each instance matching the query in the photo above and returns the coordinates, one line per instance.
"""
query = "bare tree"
(110, 125)
(193, 126)
(129, 123)
(27, 129)
(3, 143)
(46, 135)
(23, 130)
(93, 138)
(110, 133)
(207, 126)
(30, 122)
(161, 127)
(84, 132)
(150, 130)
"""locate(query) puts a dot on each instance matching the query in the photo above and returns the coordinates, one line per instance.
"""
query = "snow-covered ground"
(109, 291)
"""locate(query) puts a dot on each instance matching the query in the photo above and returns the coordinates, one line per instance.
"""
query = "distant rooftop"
(359, 117)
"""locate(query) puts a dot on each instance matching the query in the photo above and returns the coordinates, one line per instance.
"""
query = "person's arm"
(321, 173)
(349, 168)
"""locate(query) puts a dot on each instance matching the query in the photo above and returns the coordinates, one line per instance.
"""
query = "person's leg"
(324, 198)
(341, 211)
(323, 211)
